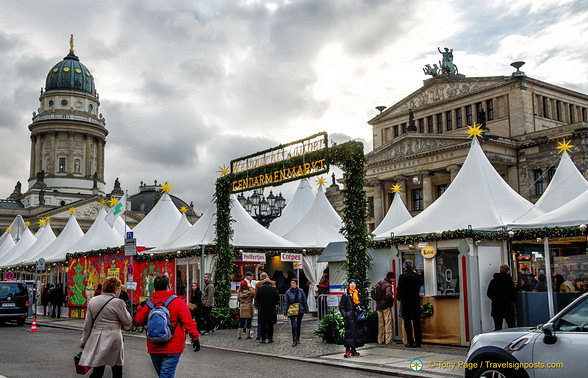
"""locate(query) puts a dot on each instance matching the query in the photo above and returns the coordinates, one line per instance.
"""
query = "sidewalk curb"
(317, 360)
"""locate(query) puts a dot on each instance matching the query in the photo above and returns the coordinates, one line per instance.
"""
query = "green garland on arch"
(225, 254)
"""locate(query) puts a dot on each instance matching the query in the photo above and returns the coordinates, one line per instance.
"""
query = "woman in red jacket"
(165, 357)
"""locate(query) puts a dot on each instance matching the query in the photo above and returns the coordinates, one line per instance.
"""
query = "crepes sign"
(291, 257)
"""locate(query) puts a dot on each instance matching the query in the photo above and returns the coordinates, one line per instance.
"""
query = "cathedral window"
(537, 175)
(63, 102)
(468, 115)
(417, 199)
(489, 110)
(458, 120)
(403, 126)
(395, 128)
(448, 121)
(421, 125)
(439, 123)
(61, 164)
(545, 107)
(430, 124)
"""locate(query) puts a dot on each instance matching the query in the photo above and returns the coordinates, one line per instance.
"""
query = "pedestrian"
(409, 286)
(245, 298)
(267, 298)
(59, 298)
(165, 357)
(350, 306)
(541, 283)
(45, 298)
(501, 292)
(125, 296)
(262, 278)
(323, 285)
(208, 304)
(195, 304)
(249, 279)
(98, 290)
(295, 307)
(383, 294)
(51, 297)
(102, 340)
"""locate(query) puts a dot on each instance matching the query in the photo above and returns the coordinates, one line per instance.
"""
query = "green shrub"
(332, 328)
(226, 317)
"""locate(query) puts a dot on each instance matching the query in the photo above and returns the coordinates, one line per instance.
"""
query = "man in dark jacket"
(501, 292)
(266, 299)
(409, 286)
(208, 304)
(384, 297)
(165, 357)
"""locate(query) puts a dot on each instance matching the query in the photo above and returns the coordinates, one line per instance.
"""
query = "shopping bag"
(80, 369)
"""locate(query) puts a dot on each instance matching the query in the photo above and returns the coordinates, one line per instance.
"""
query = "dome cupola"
(70, 74)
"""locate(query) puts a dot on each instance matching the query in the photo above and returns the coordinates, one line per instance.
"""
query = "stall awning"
(334, 252)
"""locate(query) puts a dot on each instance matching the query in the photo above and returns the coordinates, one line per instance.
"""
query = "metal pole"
(548, 276)
(132, 258)
(202, 266)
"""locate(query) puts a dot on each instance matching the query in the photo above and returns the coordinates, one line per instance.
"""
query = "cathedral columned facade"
(420, 142)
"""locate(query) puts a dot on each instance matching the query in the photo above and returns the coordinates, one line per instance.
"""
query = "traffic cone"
(34, 325)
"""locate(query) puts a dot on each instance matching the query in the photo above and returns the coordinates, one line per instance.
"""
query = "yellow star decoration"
(183, 209)
(113, 201)
(8, 229)
(47, 219)
(166, 188)
(27, 224)
(476, 130)
(72, 210)
(395, 188)
(102, 202)
(223, 170)
(564, 146)
(320, 181)
(42, 222)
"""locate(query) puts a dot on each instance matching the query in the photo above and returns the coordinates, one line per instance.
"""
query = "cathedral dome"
(70, 74)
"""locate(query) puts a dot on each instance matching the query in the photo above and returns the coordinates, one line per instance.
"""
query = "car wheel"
(491, 373)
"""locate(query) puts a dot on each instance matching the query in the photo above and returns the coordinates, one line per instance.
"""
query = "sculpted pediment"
(410, 146)
(85, 211)
(438, 92)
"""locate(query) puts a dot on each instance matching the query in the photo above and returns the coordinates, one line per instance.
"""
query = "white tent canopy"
(295, 210)
(99, 236)
(70, 235)
(158, 225)
(17, 227)
(396, 215)
(181, 228)
(571, 214)
(246, 232)
(6, 242)
(27, 239)
(478, 197)
(120, 226)
(45, 236)
(320, 225)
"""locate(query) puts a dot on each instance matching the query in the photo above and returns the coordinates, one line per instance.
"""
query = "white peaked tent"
(478, 196)
(183, 226)
(99, 236)
(70, 235)
(6, 242)
(571, 214)
(17, 226)
(121, 227)
(45, 236)
(320, 225)
(295, 210)
(396, 215)
(27, 239)
(159, 224)
(246, 232)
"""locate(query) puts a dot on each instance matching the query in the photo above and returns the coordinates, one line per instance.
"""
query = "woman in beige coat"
(245, 296)
(102, 340)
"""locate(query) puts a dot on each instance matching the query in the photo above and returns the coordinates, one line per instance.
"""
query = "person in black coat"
(195, 301)
(501, 292)
(350, 301)
(408, 289)
(45, 299)
(267, 298)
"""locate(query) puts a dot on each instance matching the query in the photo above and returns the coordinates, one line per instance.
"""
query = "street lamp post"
(263, 209)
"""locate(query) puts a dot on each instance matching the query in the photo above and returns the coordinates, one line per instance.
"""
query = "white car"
(555, 349)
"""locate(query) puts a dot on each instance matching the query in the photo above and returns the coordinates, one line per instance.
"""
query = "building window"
(550, 174)
(447, 264)
(583, 114)
(421, 125)
(50, 103)
(417, 199)
(395, 128)
(441, 189)
(439, 123)
(571, 107)
(489, 110)
(430, 124)
(448, 121)
(538, 182)
(558, 110)
(63, 102)
(403, 128)
(371, 207)
(468, 115)
(459, 123)
(545, 107)
(478, 109)
(61, 164)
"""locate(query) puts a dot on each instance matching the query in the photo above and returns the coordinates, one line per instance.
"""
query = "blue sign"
(129, 234)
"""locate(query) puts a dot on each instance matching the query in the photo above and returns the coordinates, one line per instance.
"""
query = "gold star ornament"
(113, 201)
(223, 170)
(475, 130)
(166, 188)
(564, 146)
(8, 229)
(395, 188)
(183, 209)
(72, 210)
(27, 223)
(42, 222)
(102, 202)
(47, 219)
(320, 181)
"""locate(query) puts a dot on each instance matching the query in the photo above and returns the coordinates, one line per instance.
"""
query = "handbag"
(294, 309)
(360, 312)
(80, 369)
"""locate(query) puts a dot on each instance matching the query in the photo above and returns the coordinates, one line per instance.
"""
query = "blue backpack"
(159, 329)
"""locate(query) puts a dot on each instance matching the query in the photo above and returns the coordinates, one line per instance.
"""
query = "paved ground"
(393, 359)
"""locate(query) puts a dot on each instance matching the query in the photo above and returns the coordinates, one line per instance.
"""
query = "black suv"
(14, 301)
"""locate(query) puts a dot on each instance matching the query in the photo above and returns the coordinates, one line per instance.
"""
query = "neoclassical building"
(420, 142)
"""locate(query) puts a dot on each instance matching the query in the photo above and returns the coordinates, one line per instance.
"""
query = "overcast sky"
(186, 86)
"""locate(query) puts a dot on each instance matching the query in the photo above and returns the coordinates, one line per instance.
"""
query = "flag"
(116, 210)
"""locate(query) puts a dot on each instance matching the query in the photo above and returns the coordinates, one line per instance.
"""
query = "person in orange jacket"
(165, 357)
